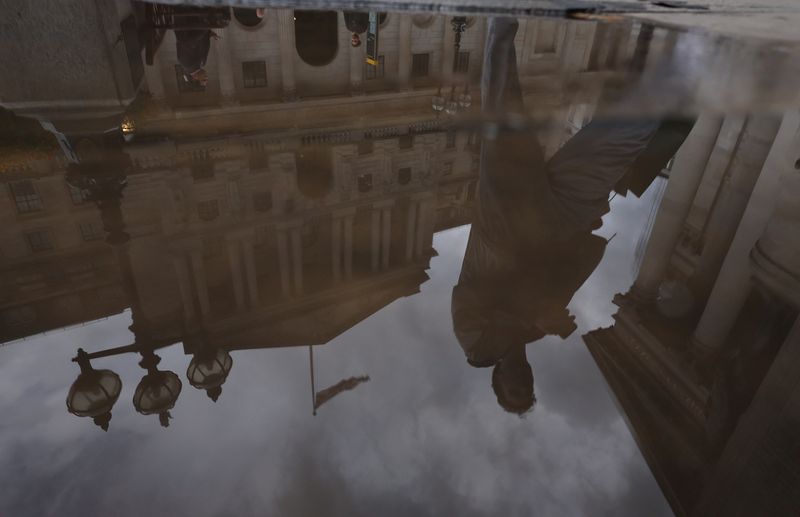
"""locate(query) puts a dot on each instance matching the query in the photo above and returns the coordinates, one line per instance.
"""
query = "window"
(254, 74)
(184, 84)
(39, 241)
(447, 168)
(25, 196)
(545, 37)
(202, 169)
(262, 201)
(365, 183)
(365, 147)
(91, 231)
(258, 160)
(77, 195)
(419, 65)
(208, 210)
(451, 139)
(375, 71)
(404, 176)
(406, 141)
(462, 63)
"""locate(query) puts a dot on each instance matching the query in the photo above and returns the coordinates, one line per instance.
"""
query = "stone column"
(155, 80)
(283, 260)
(286, 41)
(348, 246)
(357, 63)
(227, 85)
(336, 248)
(448, 52)
(404, 52)
(250, 268)
(297, 259)
(235, 263)
(201, 285)
(687, 172)
(733, 283)
(185, 285)
(411, 228)
(732, 200)
(376, 238)
(386, 236)
(424, 225)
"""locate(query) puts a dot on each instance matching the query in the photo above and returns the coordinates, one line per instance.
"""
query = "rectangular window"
(25, 196)
(91, 231)
(254, 74)
(419, 65)
(365, 182)
(208, 210)
(406, 141)
(462, 63)
(545, 37)
(262, 201)
(447, 168)
(404, 176)
(185, 84)
(365, 147)
(39, 241)
(258, 160)
(202, 169)
(451, 139)
(375, 71)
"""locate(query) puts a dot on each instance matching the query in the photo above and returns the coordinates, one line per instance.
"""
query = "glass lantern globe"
(451, 108)
(465, 100)
(157, 393)
(93, 394)
(208, 371)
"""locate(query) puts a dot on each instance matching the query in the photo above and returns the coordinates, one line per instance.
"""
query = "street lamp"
(208, 371)
(94, 392)
(157, 391)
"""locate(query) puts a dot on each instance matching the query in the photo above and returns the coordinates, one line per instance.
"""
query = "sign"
(372, 39)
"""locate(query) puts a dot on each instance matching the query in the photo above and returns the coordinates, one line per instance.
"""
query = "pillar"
(201, 285)
(732, 200)
(448, 52)
(185, 286)
(336, 248)
(375, 240)
(404, 52)
(283, 260)
(297, 259)
(386, 236)
(250, 269)
(286, 42)
(235, 263)
(154, 78)
(357, 63)
(687, 172)
(733, 283)
(227, 86)
(411, 224)
(348, 245)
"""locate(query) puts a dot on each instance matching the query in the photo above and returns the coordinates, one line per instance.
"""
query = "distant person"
(357, 23)
(192, 47)
(531, 245)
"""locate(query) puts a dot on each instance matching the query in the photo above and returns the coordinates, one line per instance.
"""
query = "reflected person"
(531, 245)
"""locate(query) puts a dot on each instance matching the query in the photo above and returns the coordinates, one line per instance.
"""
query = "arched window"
(316, 36)
(314, 172)
(246, 17)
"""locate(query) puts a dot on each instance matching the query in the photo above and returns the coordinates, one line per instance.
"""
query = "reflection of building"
(289, 199)
(718, 288)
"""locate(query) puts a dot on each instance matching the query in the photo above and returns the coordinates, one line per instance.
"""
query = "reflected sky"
(424, 436)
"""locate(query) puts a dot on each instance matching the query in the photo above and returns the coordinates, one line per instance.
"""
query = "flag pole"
(311, 371)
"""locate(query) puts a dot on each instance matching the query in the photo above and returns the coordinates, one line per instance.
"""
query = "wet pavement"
(285, 262)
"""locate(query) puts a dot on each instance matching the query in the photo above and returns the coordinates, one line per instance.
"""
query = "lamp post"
(94, 392)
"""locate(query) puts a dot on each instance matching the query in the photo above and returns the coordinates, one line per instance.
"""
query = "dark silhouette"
(531, 247)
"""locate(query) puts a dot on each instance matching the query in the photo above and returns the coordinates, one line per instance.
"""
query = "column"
(286, 42)
(348, 245)
(404, 52)
(357, 63)
(227, 86)
(297, 259)
(283, 260)
(386, 236)
(154, 78)
(733, 283)
(200, 283)
(250, 269)
(336, 248)
(185, 285)
(376, 238)
(448, 52)
(684, 180)
(411, 223)
(732, 200)
(424, 225)
(235, 263)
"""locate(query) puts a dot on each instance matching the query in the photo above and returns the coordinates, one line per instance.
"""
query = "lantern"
(158, 391)
(94, 392)
(208, 371)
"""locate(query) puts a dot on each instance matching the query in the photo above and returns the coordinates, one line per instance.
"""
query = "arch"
(316, 36)
(422, 21)
(247, 17)
(314, 172)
